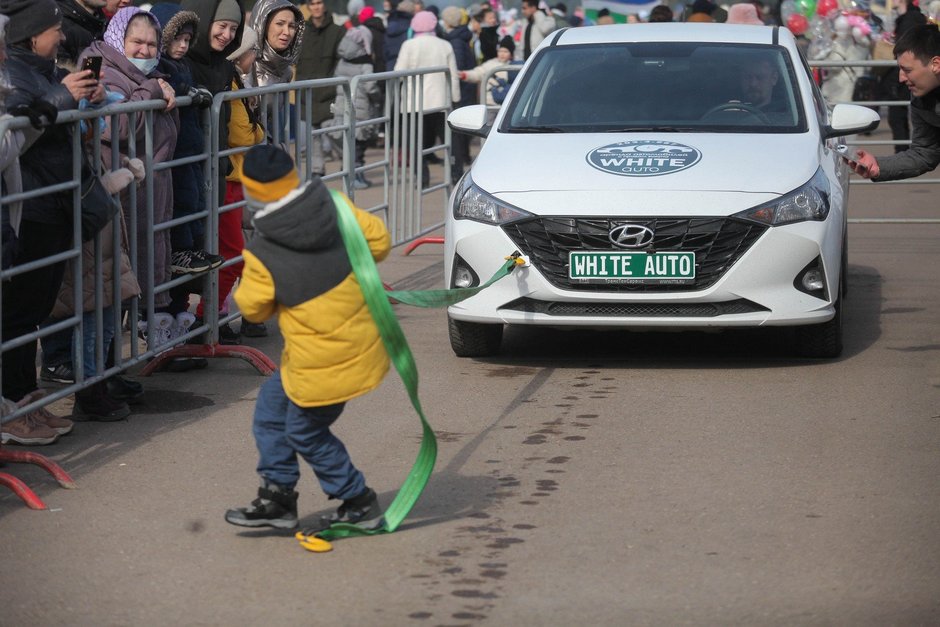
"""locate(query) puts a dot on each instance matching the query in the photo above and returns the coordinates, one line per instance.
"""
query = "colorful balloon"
(787, 8)
(825, 8)
(806, 7)
(797, 24)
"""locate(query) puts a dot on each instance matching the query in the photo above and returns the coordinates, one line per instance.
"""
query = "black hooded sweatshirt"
(80, 28)
(211, 69)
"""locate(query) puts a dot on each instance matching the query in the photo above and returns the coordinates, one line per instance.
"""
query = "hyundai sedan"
(656, 176)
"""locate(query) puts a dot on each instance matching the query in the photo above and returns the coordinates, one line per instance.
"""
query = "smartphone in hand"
(93, 63)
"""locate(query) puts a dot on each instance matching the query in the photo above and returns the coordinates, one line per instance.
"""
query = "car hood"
(670, 172)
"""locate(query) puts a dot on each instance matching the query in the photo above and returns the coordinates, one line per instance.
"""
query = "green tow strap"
(377, 300)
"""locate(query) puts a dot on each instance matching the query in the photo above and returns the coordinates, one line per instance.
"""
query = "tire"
(821, 341)
(470, 339)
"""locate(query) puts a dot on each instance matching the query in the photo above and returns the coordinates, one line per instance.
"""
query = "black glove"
(38, 112)
(201, 96)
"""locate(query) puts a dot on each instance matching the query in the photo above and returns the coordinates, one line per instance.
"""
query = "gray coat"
(355, 59)
(924, 153)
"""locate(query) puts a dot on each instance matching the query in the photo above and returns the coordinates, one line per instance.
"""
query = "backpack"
(500, 86)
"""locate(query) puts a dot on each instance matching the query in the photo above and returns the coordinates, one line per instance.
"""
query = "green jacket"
(318, 58)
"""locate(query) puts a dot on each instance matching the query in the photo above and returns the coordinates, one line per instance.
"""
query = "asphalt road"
(583, 478)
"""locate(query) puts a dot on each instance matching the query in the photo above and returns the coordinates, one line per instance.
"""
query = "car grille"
(716, 242)
(635, 310)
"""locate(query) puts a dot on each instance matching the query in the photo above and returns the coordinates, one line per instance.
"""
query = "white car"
(656, 176)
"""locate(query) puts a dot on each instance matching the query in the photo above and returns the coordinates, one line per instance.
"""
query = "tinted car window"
(658, 86)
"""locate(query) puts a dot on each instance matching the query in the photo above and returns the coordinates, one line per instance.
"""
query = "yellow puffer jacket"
(242, 131)
(296, 267)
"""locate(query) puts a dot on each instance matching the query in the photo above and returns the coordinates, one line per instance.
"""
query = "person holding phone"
(129, 53)
(34, 34)
(918, 56)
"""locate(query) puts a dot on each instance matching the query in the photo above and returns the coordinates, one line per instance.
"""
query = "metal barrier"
(404, 192)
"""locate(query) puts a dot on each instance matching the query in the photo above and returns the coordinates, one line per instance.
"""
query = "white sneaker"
(183, 321)
(162, 330)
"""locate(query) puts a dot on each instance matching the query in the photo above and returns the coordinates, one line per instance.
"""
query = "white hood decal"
(644, 157)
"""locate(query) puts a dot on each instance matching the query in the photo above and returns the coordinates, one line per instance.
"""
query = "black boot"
(94, 403)
(362, 510)
(124, 389)
(276, 506)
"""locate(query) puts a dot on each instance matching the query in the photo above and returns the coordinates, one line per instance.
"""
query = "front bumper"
(755, 289)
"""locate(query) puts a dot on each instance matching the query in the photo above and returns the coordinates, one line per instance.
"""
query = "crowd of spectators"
(200, 48)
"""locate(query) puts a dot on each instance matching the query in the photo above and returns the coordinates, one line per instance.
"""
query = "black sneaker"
(276, 506)
(187, 262)
(94, 404)
(214, 261)
(124, 389)
(185, 364)
(362, 510)
(62, 373)
(253, 329)
(227, 335)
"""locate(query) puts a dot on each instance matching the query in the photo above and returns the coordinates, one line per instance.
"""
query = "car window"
(701, 87)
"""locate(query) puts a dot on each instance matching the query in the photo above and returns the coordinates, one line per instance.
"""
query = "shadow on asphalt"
(729, 348)
(170, 401)
(451, 495)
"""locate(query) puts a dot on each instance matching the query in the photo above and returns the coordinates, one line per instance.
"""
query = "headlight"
(472, 203)
(809, 202)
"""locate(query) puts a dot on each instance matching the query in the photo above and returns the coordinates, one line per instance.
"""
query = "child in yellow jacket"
(296, 267)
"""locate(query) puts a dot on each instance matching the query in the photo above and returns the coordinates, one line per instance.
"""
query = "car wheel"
(821, 341)
(471, 339)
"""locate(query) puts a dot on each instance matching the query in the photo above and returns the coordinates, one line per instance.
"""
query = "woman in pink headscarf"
(130, 53)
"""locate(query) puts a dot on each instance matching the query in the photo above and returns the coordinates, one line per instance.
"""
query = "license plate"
(631, 267)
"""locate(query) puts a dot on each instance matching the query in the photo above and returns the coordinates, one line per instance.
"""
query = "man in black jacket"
(318, 59)
(918, 55)
(83, 21)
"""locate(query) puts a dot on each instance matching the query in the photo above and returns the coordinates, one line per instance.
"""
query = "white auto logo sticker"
(643, 158)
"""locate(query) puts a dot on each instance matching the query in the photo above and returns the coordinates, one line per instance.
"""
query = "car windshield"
(662, 87)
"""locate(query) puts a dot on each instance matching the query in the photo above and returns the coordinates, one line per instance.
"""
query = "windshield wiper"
(537, 129)
(651, 129)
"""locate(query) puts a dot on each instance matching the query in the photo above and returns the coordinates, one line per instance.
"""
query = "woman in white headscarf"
(279, 26)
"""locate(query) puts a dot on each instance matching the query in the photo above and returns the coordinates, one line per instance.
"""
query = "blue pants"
(284, 430)
(57, 348)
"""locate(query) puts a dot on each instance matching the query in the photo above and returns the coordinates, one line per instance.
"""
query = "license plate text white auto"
(631, 267)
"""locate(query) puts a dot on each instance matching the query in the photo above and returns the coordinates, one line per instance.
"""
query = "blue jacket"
(396, 32)
(460, 40)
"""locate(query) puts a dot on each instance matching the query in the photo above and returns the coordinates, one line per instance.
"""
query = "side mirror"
(473, 120)
(848, 119)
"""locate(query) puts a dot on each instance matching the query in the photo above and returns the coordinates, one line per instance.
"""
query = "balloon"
(787, 8)
(826, 7)
(797, 24)
(806, 7)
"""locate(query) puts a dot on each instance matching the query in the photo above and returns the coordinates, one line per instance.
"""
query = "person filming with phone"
(918, 56)
(38, 90)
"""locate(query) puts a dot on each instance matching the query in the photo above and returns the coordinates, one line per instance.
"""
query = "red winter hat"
(366, 13)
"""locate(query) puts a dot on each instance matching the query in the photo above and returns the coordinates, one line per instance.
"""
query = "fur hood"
(173, 19)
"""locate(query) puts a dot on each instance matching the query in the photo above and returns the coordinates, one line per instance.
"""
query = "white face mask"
(145, 65)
